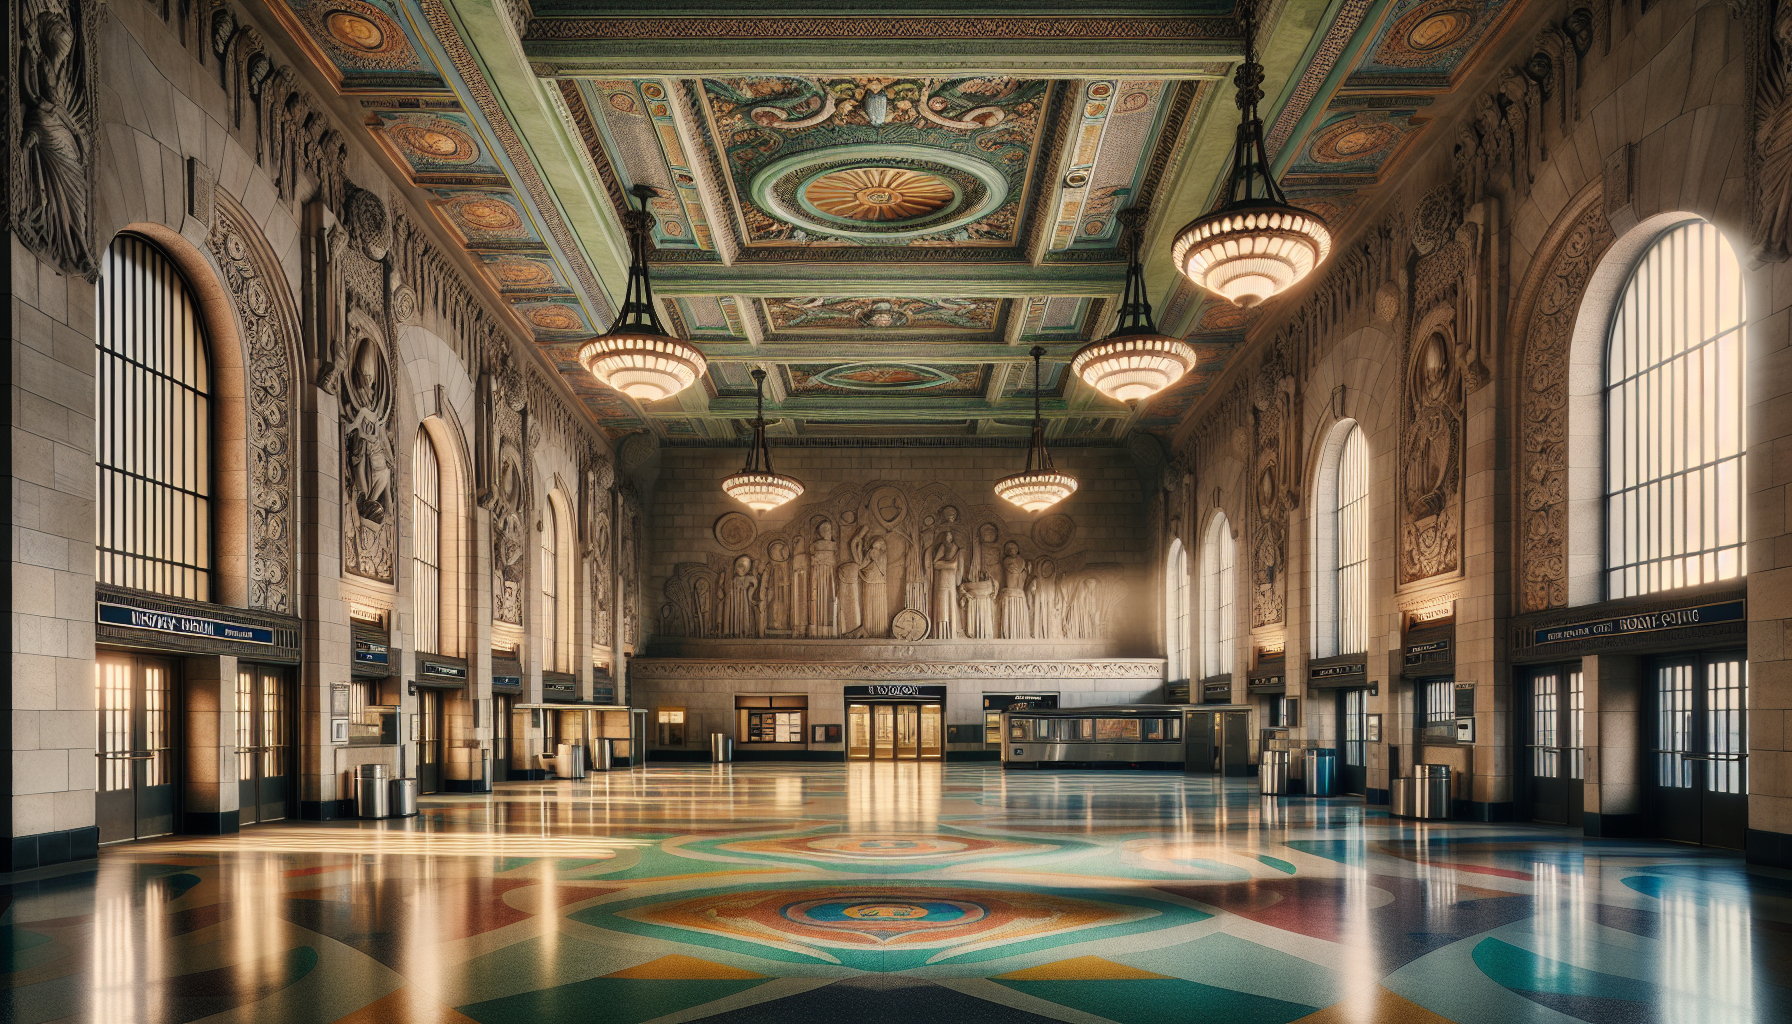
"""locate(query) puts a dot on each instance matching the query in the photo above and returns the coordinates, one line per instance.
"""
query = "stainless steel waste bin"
(1431, 791)
(603, 755)
(572, 760)
(373, 799)
(1272, 773)
(404, 798)
(485, 769)
(1321, 767)
(1400, 797)
(721, 748)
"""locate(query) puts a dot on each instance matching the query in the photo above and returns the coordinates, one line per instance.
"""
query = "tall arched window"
(1341, 545)
(1217, 585)
(1674, 417)
(152, 431)
(550, 588)
(426, 509)
(1176, 624)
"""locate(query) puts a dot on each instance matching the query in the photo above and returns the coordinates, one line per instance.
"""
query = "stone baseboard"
(49, 848)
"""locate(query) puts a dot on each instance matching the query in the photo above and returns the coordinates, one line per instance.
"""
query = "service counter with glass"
(581, 738)
(1206, 738)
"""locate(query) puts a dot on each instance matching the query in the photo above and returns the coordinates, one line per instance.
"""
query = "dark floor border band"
(47, 848)
(1768, 849)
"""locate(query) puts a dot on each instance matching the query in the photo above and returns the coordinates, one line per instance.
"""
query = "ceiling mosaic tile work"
(876, 207)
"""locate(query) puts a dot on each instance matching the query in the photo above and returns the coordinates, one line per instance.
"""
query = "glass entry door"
(136, 785)
(895, 732)
(1700, 770)
(1353, 732)
(429, 741)
(263, 742)
(1556, 754)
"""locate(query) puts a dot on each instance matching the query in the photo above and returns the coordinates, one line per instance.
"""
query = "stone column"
(208, 770)
(1614, 795)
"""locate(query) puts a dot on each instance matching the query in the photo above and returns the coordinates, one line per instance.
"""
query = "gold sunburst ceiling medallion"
(878, 194)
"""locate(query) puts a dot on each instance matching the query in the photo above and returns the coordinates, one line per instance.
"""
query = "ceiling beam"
(886, 410)
(897, 350)
(926, 280)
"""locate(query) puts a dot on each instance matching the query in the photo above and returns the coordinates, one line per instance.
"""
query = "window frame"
(1219, 597)
(427, 573)
(1177, 640)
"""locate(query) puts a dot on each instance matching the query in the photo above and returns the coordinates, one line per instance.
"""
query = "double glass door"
(1699, 770)
(264, 754)
(894, 732)
(1555, 756)
(136, 746)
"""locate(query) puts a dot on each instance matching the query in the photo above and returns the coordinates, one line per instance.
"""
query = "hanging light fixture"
(1039, 486)
(760, 489)
(1135, 361)
(637, 357)
(1251, 247)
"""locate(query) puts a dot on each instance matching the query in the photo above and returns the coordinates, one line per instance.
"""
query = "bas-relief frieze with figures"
(51, 127)
(894, 561)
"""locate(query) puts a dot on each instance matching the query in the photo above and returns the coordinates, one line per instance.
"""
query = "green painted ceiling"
(885, 209)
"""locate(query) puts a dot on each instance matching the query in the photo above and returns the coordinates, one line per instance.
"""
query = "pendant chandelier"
(1135, 361)
(637, 357)
(756, 485)
(1039, 486)
(1251, 247)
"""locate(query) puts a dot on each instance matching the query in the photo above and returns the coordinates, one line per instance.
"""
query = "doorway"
(502, 728)
(137, 784)
(894, 731)
(263, 742)
(1555, 758)
(1353, 734)
(429, 741)
(1699, 770)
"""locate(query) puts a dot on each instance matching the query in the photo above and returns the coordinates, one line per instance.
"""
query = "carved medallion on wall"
(1548, 317)
(1054, 532)
(735, 530)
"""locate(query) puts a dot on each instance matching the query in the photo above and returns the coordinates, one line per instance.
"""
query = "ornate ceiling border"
(990, 27)
(730, 668)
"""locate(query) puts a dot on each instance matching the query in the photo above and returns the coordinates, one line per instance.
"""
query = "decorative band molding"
(693, 668)
(973, 27)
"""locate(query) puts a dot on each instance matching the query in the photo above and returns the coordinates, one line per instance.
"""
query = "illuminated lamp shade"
(1252, 251)
(1039, 486)
(757, 485)
(637, 357)
(1135, 361)
(1254, 245)
(643, 366)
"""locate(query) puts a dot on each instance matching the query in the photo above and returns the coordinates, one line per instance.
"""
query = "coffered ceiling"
(883, 208)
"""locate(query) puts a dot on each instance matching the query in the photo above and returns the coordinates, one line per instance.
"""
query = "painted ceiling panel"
(835, 313)
(887, 380)
(362, 45)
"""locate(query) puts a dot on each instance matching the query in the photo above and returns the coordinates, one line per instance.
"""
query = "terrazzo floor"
(789, 894)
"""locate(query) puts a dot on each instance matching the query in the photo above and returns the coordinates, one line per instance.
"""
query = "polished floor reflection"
(897, 892)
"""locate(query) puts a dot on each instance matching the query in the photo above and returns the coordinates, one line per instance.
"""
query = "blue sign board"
(184, 625)
(1644, 622)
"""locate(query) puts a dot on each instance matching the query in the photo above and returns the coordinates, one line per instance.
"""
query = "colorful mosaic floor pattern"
(897, 893)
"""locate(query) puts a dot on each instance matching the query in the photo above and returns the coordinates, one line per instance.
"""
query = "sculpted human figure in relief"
(743, 586)
(1015, 617)
(823, 613)
(875, 572)
(947, 563)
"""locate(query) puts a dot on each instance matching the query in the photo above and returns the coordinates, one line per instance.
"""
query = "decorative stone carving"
(1553, 303)
(1276, 455)
(52, 121)
(600, 476)
(269, 326)
(1429, 471)
(1054, 532)
(892, 560)
(359, 357)
(735, 530)
(1117, 668)
(629, 561)
(1771, 159)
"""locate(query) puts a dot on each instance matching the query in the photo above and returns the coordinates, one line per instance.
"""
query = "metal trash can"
(1272, 773)
(373, 799)
(721, 748)
(571, 760)
(1400, 797)
(1431, 792)
(485, 770)
(603, 755)
(1321, 766)
(404, 798)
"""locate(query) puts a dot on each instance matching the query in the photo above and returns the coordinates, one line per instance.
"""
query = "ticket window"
(858, 731)
(772, 718)
(671, 727)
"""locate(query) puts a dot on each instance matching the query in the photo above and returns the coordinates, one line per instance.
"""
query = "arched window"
(152, 428)
(1674, 417)
(1341, 545)
(1176, 624)
(550, 588)
(426, 509)
(1217, 586)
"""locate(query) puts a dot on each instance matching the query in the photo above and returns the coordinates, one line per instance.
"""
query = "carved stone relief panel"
(629, 561)
(600, 476)
(1274, 469)
(903, 561)
(269, 326)
(51, 124)
(1429, 470)
(359, 363)
(1543, 410)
